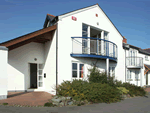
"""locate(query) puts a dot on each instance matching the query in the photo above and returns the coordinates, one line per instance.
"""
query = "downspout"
(125, 64)
(56, 57)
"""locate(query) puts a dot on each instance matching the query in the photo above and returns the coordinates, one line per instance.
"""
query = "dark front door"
(33, 75)
(147, 78)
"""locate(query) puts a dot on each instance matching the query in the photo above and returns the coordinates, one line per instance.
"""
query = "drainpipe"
(125, 64)
(56, 57)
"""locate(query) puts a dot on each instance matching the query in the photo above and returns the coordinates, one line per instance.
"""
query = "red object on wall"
(96, 15)
(74, 18)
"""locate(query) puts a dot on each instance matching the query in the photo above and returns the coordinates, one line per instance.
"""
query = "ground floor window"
(137, 74)
(129, 74)
(77, 70)
(112, 71)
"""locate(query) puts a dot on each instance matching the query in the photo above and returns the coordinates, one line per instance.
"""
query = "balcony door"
(95, 46)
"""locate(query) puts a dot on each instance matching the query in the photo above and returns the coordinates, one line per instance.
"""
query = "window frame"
(146, 58)
(78, 70)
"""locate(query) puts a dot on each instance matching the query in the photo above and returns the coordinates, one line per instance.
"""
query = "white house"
(65, 49)
(137, 65)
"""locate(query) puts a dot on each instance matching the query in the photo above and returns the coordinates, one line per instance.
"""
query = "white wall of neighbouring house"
(142, 77)
(3, 70)
(50, 65)
(145, 62)
(18, 65)
(68, 28)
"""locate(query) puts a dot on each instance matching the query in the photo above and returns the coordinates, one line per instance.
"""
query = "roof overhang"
(39, 36)
(147, 68)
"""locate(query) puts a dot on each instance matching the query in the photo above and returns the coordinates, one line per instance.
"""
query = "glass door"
(40, 75)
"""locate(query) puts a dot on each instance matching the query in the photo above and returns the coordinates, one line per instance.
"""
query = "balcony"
(93, 48)
(134, 62)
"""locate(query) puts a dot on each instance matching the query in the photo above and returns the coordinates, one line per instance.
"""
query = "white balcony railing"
(134, 61)
(93, 46)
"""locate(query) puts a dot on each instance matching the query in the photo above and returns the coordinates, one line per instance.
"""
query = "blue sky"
(131, 17)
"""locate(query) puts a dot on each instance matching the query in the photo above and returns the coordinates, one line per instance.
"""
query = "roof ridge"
(51, 15)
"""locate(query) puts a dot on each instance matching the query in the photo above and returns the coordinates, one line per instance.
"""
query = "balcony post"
(102, 43)
(88, 40)
(107, 66)
(97, 46)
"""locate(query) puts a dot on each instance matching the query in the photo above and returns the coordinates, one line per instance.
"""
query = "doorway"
(33, 75)
(147, 78)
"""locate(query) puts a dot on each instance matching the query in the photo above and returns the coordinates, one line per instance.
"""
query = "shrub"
(93, 92)
(5, 103)
(48, 104)
(123, 90)
(134, 90)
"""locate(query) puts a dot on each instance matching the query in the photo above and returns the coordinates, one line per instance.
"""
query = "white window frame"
(137, 73)
(78, 70)
(146, 58)
(111, 72)
(129, 75)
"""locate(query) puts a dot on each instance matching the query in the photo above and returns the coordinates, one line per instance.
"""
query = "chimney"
(124, 40)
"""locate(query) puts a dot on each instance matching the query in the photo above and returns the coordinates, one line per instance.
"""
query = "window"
(74, 70)
(146, 58)
(129, 72)
(136, 74)
(112, 71)
(84, 40)
(77, 72)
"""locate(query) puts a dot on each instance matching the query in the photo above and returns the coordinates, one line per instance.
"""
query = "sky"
(131, 17)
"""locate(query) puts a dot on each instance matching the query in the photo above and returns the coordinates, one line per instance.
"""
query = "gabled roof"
(148, 50)
(139, 49)
(49, 17)
(89, 7)
(39, 36)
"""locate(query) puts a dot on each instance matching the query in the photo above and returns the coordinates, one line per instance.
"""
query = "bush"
(5, 103)
(134, 90)
(48, 104)
(123, 90)
(93, 92)
(100, 77)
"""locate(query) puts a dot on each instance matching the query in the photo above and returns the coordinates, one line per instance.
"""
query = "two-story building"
(66, 48)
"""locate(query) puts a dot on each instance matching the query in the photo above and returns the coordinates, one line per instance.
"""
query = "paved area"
(27, 98)
(132, 105)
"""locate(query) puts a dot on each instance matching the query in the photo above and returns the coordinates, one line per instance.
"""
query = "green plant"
(5, 103)
(123, 90)
(48, 104)
(134, 90)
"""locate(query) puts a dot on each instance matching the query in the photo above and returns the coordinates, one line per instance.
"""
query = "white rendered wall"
(18, 65)
(68, 28)
(50, 65)
(142, 81)
(3, 70)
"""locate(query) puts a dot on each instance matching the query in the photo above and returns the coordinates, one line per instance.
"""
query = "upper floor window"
(84, 30)
(146, 58)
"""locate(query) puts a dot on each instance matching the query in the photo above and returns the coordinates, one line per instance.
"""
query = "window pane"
(40, 72)
(113, 71)
(81, 74)
(40, 66)
(84, 30)
(74, 74)
(74, 66)
(40, 84)
(81, 66)
(40, 78)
